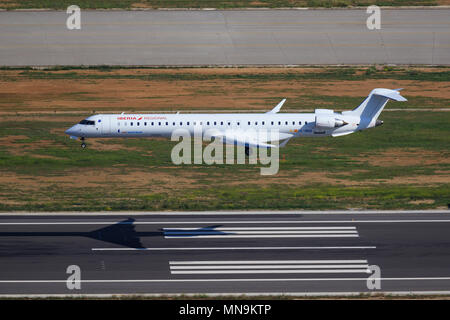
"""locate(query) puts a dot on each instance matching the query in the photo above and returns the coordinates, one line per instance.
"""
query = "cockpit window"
(87, 122)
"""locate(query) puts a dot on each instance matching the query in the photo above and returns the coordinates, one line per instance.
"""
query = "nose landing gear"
(83, 144)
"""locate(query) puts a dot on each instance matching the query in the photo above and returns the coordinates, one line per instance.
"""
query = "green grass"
(326, 73)
(222, 4)
(212, 186)
(402, 130)
(41, 152)
(253, 197)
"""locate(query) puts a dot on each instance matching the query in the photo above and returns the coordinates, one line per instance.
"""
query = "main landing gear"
(247, 151)
(83, 144)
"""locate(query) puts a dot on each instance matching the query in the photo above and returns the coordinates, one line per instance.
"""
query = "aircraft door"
(98, 126)
(105, 125)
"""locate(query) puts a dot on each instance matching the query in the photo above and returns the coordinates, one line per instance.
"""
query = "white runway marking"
(202, 232)
(281, 266)
(226, 280)
(261, 232)
(230, 236)
(269, 266)
(264, 262)
(225, 213)
(236, 248)
(272, 271)
(261, 228)
(223, 222)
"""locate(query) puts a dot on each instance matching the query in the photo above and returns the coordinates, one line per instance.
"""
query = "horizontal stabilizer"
(390, 94)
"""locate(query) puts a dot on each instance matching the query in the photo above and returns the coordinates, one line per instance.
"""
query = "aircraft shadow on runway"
(121, 233)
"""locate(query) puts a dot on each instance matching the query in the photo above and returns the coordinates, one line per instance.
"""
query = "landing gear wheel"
(83, 144)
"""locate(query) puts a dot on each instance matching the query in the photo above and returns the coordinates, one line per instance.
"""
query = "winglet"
(278, 107)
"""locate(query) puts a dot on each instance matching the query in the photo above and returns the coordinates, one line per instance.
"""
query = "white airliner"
(234, 128)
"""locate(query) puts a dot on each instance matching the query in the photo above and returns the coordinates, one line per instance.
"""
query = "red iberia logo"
(129, 118)
(140, 118)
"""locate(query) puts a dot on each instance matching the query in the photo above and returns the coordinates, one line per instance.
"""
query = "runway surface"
(253, 37)
(226, 252)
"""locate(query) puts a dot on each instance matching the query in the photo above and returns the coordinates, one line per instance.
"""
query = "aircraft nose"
(71, 131)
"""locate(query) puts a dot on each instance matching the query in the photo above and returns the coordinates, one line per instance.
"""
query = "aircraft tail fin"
(370, 109)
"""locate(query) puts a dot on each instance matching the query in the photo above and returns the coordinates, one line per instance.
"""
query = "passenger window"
(207, 123)
(249, 123)
(221, 123)
(286, 122)
(271, 123)
(153, 123)
(131, 123)
(306, 122)
(138, 123)
(145, 123)
(159, 123)
(167, 123)
(279, 122)
(188, 123)
(256, 123)
(215, 123)
(181, 123)
(300, 123)
(174, 123)
(263, 123)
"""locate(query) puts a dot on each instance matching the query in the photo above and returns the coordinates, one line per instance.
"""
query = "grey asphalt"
(247, 37)
(179, 252)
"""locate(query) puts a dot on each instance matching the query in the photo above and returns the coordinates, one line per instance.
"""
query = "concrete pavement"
(237, 37)
(284, 252)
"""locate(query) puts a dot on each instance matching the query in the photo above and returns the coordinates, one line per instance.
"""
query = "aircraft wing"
(251, 139)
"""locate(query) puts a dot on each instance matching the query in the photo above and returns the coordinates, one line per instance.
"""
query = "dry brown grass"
(86, 95)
